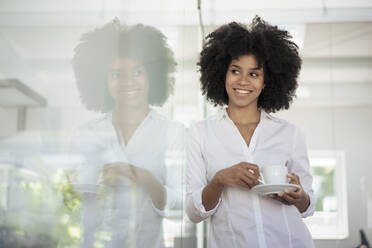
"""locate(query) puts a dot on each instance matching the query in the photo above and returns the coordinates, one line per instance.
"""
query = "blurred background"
(40, 107)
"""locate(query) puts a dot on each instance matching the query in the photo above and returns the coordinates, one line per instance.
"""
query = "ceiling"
(37, 40)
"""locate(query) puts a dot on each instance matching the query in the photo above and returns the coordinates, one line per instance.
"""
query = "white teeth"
(243, 91)
(130, 91)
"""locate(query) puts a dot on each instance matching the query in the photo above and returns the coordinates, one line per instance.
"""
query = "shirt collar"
(152, 114)
(222, 114)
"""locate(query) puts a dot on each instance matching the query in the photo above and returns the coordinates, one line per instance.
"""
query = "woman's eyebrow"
(255, 68)
(236, 66)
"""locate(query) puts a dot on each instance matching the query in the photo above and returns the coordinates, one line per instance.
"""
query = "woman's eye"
(137, 73)
(235, 72)
(115, 75)
(253, 74)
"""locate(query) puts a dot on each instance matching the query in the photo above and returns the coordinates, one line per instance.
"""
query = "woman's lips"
(130, 92)
(242, 92)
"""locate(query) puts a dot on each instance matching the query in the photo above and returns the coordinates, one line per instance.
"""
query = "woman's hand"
(243, 174)
(111, 174)
(114, 172)
(298, 198)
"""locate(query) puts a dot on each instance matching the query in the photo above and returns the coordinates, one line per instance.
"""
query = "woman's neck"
(243, 116)
(129, 116)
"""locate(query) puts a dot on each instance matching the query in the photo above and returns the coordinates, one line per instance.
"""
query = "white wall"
(348, 129)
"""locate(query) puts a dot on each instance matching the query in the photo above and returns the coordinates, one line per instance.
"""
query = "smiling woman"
(274, 54)
(253, 70)
(121, 71)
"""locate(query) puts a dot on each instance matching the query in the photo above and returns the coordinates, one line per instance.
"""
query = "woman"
(122, 71)
(254, 72)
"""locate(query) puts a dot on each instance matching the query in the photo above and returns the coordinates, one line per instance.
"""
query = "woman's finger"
(248, 174)
(289, 198)
(252, 168)
(242, 183)
(133, 170)
(278, 198)
(128, 174)
(293, 194)
(294, 179)
(112, 165)
(247, 180)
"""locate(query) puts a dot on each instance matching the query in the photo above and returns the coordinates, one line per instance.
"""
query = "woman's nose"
(244, 81)
(125, 81)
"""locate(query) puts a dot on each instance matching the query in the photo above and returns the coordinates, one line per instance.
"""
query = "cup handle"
(261, 179)
(287, 179)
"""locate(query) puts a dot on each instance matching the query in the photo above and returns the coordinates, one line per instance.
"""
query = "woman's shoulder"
(200, 124)
(100, 126)
(277, 120)
(217, 115)
(199, 128)
(96, 123)
(166, 123)
(278, 123)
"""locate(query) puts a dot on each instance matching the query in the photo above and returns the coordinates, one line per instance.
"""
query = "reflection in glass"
(130, 172)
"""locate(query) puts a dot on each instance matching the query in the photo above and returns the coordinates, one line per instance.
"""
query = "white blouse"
(242, 218)
(127, 213)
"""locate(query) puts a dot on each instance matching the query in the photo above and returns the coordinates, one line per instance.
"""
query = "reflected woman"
(122, 71)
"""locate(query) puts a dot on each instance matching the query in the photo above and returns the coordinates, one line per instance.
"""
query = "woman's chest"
(221, 153)
(246, 131)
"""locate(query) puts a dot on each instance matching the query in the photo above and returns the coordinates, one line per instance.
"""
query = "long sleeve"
(84, 147)
(174, 170)
(299, 164)
(196, 178)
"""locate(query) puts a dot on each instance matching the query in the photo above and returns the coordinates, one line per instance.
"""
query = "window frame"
(320, 224)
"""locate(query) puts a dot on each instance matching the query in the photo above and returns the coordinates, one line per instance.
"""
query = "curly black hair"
(274, 51)
(97, 49)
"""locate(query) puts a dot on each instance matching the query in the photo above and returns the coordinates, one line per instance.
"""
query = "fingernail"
(286, 191)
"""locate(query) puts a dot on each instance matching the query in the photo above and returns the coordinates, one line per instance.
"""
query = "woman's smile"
(242, 92)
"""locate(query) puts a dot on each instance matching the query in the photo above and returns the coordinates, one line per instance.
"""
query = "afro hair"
(97, 49)
(274, 51)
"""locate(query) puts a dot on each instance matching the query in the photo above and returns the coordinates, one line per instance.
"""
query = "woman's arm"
(155, 190)
(196, 178)
(240, 175)
(211, 194)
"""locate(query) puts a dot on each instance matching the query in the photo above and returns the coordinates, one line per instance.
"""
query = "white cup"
(275, 174)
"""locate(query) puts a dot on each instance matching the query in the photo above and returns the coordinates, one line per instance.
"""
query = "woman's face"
(244, 81)
(128, 82)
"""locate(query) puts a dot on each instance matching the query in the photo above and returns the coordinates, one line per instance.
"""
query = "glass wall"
(96, 98)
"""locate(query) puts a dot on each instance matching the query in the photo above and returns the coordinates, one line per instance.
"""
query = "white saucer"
(88, 188)
(267, 189)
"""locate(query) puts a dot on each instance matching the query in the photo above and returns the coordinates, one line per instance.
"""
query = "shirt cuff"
(158, 211)
(197, 199)
(168, 203)
(310, 209)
